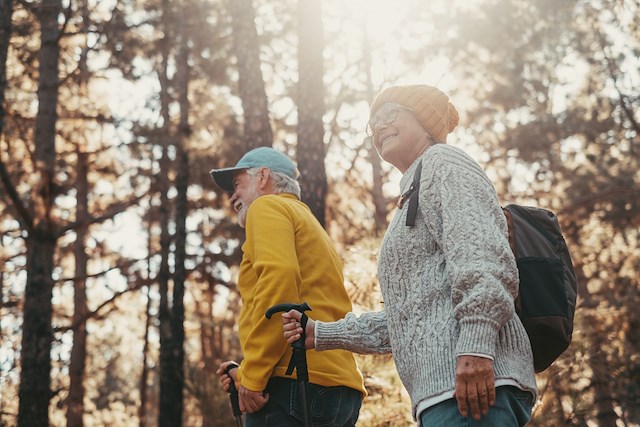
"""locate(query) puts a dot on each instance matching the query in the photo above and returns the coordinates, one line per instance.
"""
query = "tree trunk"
(603, 400)
(77, 364)
(142, 410)
(207, 330)
(601, 375)
(166, 411)
(257, 129)
(6, 12)
(166, 414)
(170, 410)
(177, 308)
(37, 335)
(379, 202)
(181, 213)
(311, 149)
(75, 406)
(45, 127)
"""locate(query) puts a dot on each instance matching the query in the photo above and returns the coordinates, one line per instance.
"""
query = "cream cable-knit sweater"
(448, 284)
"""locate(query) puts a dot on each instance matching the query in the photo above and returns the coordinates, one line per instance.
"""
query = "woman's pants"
(512, 409)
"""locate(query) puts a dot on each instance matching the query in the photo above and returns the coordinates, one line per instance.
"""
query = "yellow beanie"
(430, 106)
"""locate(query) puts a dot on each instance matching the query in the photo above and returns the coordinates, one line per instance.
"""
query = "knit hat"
(430, 106)
(258, 157)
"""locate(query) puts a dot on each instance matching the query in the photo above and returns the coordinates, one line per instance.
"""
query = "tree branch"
(95, 313)
(600, 196)
(122, 264)
(611, 67)
(88, 276)
(108, 214)
(24, 216)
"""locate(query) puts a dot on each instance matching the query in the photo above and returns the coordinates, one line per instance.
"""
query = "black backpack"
(546, 300)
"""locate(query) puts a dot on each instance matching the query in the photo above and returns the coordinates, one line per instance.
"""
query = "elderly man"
(287, 258)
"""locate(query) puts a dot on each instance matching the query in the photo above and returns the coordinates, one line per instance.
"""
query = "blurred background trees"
(118, 256)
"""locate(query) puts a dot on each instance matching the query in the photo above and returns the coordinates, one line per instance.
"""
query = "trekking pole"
(233, 395)
(299, 356)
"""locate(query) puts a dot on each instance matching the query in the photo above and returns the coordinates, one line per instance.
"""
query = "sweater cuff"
(329, 335)
(478, 335)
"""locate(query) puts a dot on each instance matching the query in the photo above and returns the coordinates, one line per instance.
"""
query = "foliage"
(549, 98)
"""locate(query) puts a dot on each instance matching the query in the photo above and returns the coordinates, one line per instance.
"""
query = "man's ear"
(264, 177)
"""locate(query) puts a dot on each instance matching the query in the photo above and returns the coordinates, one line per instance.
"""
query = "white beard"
(252, 194)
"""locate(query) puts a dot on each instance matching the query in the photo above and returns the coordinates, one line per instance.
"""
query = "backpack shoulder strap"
(510, 229)
(523, 211)
(412, 193)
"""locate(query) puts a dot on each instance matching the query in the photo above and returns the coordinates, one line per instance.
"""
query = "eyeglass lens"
(382, 118)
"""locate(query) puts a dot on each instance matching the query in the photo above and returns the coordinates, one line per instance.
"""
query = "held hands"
(475, 386)
(293, 330)
(250, 401)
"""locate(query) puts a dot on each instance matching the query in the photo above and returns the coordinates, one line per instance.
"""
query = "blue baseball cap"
(256, 158)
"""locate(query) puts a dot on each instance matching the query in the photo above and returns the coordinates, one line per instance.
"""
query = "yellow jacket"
(289, 258)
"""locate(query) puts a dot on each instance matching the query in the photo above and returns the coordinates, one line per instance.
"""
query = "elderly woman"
(447, 275)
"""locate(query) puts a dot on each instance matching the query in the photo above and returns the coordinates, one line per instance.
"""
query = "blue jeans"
(513, 408)
(330, 406)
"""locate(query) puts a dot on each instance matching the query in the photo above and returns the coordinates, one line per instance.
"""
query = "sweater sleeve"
(271, 247)
(467, 221)
(364, 334)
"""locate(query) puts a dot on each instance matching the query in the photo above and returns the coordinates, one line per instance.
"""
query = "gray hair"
(281, 182)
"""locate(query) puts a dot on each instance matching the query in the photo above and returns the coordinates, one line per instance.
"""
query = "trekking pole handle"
(286, 307)
(235, 403)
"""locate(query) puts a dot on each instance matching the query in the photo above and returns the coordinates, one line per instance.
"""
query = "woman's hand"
(475, 387)
(293, 329)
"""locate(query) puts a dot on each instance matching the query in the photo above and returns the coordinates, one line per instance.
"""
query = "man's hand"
(251, 401)
(293, 330)
(225, 380)
(475, 386)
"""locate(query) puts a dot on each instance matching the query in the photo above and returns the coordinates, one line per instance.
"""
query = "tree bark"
(311, 149)
(77, 364)
(75, 405)
(6, 12)
(166, 413)
(205, 308)
(48, 80)
(181, 213)
(142, 410)
(601, 375)
(170, 410)
(257, 128)
(37, 336)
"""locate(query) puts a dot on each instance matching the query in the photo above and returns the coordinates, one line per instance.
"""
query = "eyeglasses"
(384, 117)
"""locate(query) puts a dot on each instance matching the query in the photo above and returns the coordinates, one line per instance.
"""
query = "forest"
(119, 256)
